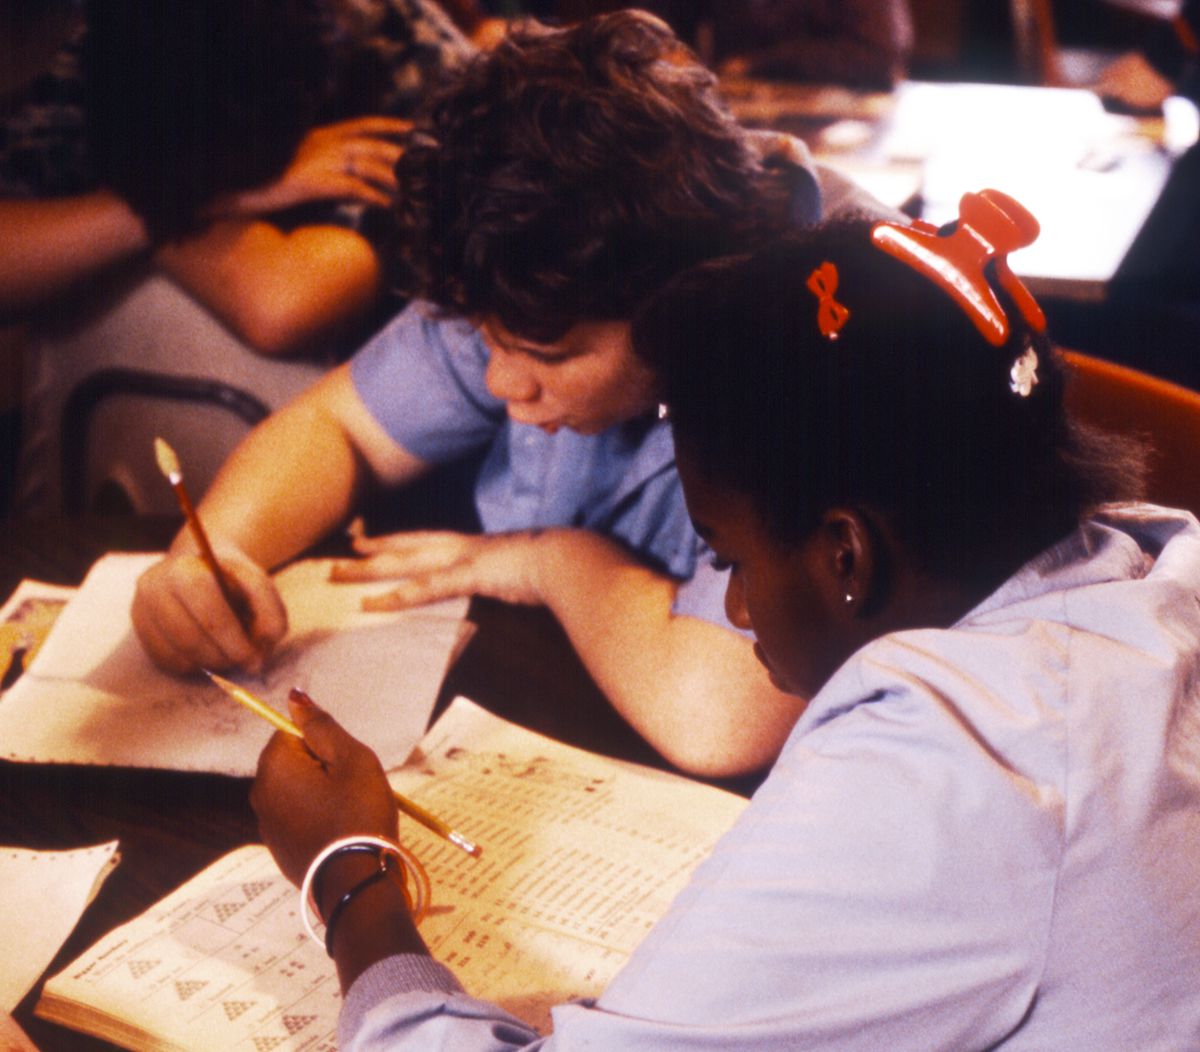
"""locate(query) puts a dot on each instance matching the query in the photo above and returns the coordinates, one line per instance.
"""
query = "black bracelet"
(345, 849)
(385, 867)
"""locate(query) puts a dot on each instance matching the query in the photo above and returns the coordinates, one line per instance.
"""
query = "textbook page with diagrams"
(91, 681)
(581, 856)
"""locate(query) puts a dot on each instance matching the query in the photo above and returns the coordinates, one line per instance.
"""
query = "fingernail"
(298, 697)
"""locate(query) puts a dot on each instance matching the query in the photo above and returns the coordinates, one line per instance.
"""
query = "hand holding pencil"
(194, 611)
(336, 750)
(168, 464)
(326, 786)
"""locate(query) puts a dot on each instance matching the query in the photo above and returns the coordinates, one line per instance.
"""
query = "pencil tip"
(168, 462)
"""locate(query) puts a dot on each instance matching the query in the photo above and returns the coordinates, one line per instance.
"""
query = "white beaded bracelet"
(308, 906)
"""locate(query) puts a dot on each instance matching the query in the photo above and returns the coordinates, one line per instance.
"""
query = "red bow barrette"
(990, 225)
(831, 315)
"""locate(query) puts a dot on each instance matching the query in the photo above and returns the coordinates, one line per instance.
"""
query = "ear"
(855, 561)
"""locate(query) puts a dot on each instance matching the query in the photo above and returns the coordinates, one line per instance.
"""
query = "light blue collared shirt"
(986, 836)
(423, 379)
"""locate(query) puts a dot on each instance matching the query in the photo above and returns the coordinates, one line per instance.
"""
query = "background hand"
(433, 565)
(184, 623)
(352, 160)
(1133, 82)
(309, 793)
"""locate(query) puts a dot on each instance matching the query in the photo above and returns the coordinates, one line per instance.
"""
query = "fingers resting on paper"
(309, 793)
(184, 623)
(434, 565)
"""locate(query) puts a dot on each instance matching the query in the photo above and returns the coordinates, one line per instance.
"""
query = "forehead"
(587, 337)
(721, 513)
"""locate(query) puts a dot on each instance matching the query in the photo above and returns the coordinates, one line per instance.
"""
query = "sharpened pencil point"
(168, 462)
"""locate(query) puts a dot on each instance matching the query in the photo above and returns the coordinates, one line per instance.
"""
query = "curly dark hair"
(908, 415)
(571, 172)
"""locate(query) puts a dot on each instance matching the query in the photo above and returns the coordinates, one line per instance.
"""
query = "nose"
(735, 602)
(509, 378)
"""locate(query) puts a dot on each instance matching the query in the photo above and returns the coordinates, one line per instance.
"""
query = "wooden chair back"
(1128, 401)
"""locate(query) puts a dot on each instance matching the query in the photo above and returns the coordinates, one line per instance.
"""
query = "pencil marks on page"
(179, 702)
(579, 860)
(92, 684)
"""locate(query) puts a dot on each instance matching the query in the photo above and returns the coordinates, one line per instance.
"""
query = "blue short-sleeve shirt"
(423, 379)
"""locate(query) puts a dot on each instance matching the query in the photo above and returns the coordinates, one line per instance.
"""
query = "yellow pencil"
(168, 464)
(281, 722)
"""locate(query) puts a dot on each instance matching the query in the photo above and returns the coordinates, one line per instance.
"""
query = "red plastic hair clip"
(831, 315)
(990, 225)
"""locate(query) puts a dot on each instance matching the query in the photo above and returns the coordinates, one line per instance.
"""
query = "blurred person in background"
(245, 146)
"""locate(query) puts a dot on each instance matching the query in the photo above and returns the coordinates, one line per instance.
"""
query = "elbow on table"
(736, 724)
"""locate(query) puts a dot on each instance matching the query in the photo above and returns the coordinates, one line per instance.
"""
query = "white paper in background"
(1057, 151)
(31, 593)
(44, 893)
(92, 696)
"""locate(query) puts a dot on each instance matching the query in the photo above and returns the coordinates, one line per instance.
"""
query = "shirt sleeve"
(703, 595)
(423, 380)
(403, 1001)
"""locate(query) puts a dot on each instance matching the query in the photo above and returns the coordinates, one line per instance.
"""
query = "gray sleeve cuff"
(400, 973)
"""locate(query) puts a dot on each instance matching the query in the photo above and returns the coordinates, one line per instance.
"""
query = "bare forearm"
(280, 292)
(298, 474)
(48, 246)
(291, 481)
(693, 689)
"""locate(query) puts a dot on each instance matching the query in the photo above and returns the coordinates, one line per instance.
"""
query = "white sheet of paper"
(92, 696)
(44, 895)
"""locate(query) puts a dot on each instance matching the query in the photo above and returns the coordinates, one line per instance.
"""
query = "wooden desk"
(1091, 178)
(170, 824)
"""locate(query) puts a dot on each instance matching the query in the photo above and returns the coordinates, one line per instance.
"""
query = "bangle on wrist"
(386, 861)
(353, 848)
(384, 850)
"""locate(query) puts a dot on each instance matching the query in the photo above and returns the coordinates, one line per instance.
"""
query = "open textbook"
(581, 856)
(91, 684)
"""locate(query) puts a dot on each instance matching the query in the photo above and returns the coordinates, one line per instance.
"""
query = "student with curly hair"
(565, 177)
(983, 832)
